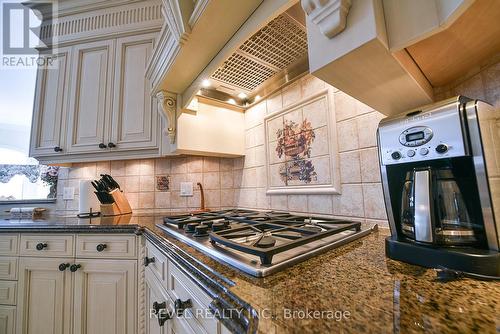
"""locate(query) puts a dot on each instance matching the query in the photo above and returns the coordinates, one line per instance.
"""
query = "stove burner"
(201, 230)
(315, 229)
(288, 234)
(219, 226)
(191, 227)
(265, 242)
(260, 234)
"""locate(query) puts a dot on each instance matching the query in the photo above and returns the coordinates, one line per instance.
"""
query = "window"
(21, 177)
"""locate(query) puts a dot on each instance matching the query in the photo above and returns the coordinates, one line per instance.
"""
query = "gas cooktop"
(261, 242)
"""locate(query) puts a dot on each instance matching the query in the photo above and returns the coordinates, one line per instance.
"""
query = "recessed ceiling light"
(257, 98)
(205, 83)
(242, 95)
(232, 101)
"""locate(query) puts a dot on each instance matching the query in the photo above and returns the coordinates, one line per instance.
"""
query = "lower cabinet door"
(7, 319)
(44, 296)
(155, 296)
(105, 296)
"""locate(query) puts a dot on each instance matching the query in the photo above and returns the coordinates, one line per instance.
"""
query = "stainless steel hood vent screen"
(273, 48)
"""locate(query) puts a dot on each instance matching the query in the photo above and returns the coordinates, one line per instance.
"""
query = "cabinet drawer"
(183, 288)
(7, 319)
(8, 268)
(8, 291)
(47, 245)
(159, 266)
(106, 246)
(9, 244)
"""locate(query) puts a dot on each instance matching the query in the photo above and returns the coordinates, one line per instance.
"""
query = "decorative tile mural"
(162, 183)
(300, 156)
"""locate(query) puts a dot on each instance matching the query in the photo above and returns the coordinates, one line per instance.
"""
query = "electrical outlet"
(186, 188)
(68, 193)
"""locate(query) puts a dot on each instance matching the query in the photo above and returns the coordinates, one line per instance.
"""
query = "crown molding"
(177, 14)
(329, 15)
(143, 16)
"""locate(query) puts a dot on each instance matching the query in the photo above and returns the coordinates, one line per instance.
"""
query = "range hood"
(273, 56)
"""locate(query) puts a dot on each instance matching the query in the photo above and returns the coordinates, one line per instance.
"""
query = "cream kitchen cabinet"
(170, 290)
(7, 319)
(45, 296)
(90, 102)
(50, 105)
(92, 287)
(105, 297)
(65, 295)
(96, 105)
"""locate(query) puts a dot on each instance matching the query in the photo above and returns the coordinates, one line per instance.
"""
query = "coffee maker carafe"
(440, 170)
(433, 209)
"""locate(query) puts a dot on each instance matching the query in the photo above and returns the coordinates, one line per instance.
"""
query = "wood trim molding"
(167, 106)
(143, 15)
(330, 15)
(162, 58)
(177, 14)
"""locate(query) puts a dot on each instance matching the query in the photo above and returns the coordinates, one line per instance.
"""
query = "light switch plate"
(186, 188)
(68, 193)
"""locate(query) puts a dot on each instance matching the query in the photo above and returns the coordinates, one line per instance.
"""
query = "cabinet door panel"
(105, 297)
(135, 120)
(49, 123)
(90, 97)
(44, 296)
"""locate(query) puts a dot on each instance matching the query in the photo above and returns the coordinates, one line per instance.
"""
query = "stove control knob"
(424, 151)
(396, 155)
(410, 153)
(442, 148)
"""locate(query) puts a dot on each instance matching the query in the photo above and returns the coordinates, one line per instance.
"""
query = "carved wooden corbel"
(329, 15)
(167, 106)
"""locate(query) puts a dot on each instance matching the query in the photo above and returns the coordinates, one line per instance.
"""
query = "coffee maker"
(440, 168)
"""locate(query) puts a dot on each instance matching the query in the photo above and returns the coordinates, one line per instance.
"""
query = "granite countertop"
(351, 289)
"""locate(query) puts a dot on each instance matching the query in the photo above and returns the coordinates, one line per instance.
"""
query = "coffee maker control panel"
(424, 136)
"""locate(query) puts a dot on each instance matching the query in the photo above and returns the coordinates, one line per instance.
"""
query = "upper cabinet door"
(47, 135)
(135, 118)
(90, 100)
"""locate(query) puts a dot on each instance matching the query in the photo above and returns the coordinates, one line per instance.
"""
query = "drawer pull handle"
(63, 266)
(162, 316)
(74, 267)
(102, 146)
(40, 246)
(111, 145)
(101, 247)
(57, 149)
(148, 260)
(180, 306)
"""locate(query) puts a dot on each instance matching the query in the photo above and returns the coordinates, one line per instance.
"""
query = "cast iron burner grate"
(266, 239)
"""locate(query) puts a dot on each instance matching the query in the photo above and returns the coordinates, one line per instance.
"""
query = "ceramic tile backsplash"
(242, 181)
(483, 83)
(138, 179)
(360, 197)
